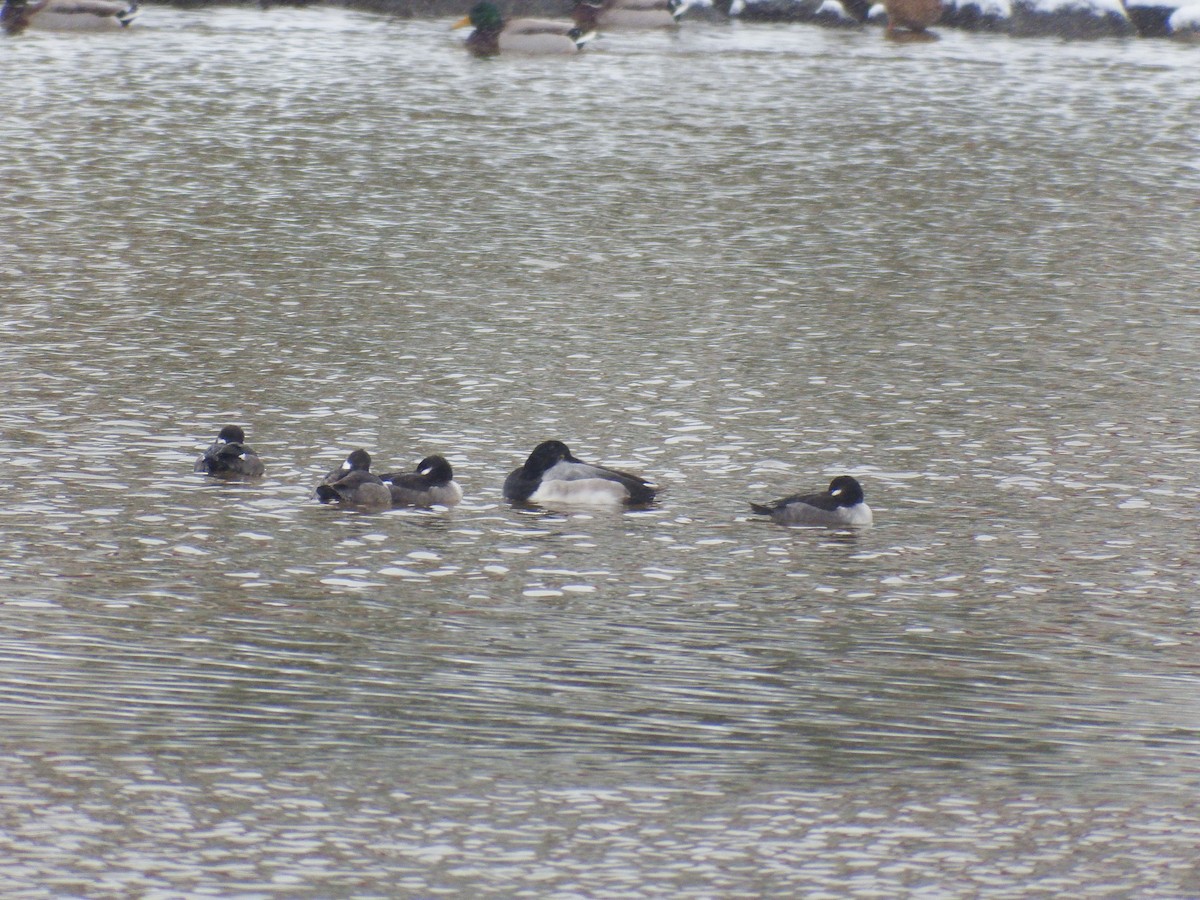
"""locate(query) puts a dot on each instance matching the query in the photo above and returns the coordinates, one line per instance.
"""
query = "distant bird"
(552, 475)
(432, 484)
(353, 484)
(912, 16)
(493, 35)
(66, 15)
(842, 504)
(628, 14)
(229, 457)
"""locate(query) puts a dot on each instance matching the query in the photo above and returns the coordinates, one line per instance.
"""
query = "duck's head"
(437, 468)
(358, 461)
(847, 490)
(232, 434)
(483, 16)
(546, 455)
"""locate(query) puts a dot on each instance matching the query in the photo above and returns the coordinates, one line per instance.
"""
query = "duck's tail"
(760, 509)
(327, 493)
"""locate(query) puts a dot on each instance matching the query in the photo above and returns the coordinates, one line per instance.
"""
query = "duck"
(353, 484)
(229, 457)
(552, 475)
(492, 35)
(841, 505)
(67, 15)
(629, 14)
(909, 18)
(431, 484)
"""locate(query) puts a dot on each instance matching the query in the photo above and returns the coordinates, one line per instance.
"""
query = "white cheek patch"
(346, 466)
(425, 471)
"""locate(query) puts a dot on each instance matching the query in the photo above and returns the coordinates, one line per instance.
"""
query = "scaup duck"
(229, 457)
(493, 35)
(353, 484)
(431, 484)
(66, 15)
(552, 475)
(842, 504)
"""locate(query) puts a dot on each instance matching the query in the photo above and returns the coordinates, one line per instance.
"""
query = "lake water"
(737, 259)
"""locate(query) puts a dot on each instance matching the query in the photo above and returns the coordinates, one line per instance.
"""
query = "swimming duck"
(912, 16)
(493, 35)
(66, 15)
(628, 14)
(432, 484)
(353, 484)
(842, 504)
(229, 457)
(552, 475)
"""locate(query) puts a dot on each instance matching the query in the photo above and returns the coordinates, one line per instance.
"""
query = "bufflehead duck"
(493, 35)
(553, 475)
(842, 504)
(432, 484)
(229, 457)
(353, 484)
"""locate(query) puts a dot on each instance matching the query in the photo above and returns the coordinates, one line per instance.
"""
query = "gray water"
(737, 259)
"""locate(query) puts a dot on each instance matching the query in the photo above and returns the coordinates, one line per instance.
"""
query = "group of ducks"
(492, 33)
(551, 476)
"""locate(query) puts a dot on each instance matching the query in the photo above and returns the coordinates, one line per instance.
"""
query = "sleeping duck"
(66, 15)
(841, 505)
(229, 457)
(628, 14)
(552, 475)
(432, 484)
(353, 484)
(493, 35)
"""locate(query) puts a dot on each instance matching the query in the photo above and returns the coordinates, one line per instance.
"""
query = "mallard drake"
(552, 475)
(629, 14)
(842, 504)
(432, 484)
(66, 15)
(911, 15)
(229, 457)
(493, 35)
(353, 484)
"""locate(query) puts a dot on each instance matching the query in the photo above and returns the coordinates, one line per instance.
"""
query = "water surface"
(740, 259)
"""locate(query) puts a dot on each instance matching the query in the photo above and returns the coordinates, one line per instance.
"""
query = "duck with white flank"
(841, 505)
(229, 457)
(353, 484)
(432, 484)
(541, 37)
(66, 15)
(552, 475)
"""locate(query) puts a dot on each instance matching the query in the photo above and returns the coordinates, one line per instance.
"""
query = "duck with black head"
(354, 484)
(842, 504)
(229, 457)
(551, 475)
(432, 484)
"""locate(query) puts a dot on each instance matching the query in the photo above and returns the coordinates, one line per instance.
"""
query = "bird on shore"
(552, 475)
(842, 504)
(431, 484)
(353, 484)
(492, 35)
(229, 457)
(628, 14)
(66, 15)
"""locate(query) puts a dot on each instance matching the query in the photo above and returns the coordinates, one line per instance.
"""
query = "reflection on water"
(737, 259)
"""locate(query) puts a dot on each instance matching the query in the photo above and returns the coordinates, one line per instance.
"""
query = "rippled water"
(739, 259)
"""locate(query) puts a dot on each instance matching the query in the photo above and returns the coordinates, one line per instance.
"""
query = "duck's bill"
(461, 23)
